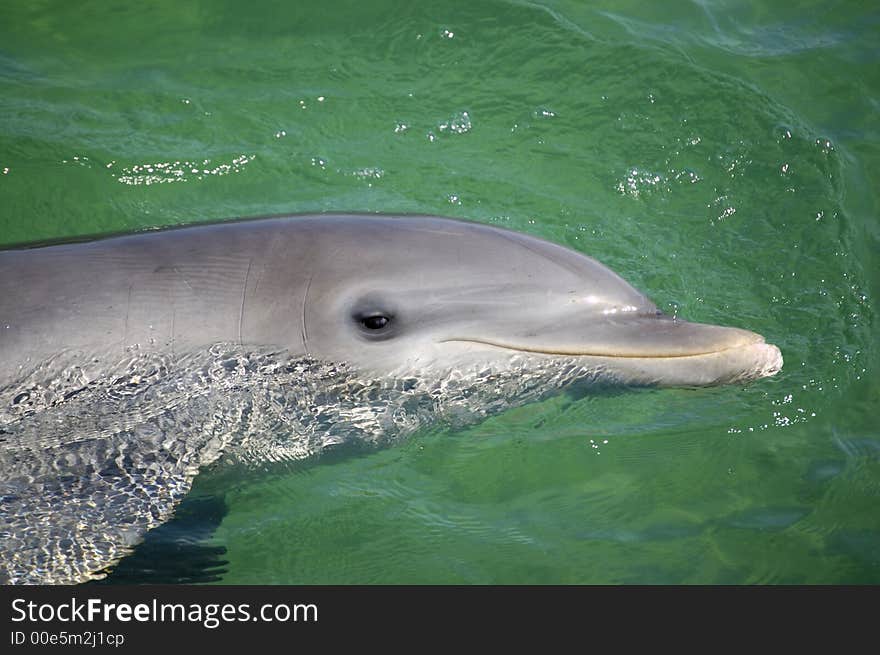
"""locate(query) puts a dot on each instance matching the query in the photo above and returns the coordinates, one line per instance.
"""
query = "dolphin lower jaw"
(740, 363)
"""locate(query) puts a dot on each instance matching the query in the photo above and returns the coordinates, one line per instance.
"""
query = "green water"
(722, 156)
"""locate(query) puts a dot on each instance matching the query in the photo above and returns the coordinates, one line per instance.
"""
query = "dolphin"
(133, 361)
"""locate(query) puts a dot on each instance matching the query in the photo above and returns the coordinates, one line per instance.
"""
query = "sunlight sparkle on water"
(179, 171)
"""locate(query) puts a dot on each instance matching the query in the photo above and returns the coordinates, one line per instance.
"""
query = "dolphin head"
(403, 295)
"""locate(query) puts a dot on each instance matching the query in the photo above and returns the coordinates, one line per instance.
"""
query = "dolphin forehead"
(456, 261)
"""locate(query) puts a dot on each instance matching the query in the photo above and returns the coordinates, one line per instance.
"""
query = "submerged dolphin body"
(130, 362)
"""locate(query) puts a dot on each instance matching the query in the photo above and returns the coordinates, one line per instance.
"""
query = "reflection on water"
(93, 458)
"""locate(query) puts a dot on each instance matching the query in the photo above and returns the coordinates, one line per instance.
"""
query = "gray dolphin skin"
(131, 362)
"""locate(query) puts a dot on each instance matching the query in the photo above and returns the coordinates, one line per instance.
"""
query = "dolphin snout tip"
(772, 360)
(756, 358)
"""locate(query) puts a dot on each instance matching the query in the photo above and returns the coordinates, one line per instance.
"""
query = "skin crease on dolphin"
(419, 306)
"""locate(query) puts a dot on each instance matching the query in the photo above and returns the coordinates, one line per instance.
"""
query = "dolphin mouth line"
(572, 353)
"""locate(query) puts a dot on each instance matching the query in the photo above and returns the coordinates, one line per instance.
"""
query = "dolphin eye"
(376, 322)
(374, 319)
